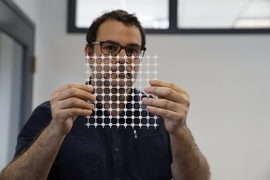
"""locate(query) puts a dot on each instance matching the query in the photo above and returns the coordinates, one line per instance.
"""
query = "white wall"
(226, 76)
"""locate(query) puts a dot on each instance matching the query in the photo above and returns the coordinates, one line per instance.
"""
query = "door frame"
(19, 27)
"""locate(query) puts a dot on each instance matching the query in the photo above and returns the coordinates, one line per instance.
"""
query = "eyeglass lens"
(114, 48)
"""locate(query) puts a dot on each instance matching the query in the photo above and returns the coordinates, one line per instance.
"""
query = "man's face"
(116, 71)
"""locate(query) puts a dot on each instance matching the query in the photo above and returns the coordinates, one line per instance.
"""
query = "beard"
(114, 80)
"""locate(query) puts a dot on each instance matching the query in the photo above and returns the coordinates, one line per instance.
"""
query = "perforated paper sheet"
(108, 75)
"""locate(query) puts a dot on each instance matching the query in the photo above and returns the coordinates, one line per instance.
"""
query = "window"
(179, 16)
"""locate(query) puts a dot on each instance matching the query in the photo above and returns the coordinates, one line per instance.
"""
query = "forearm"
(188, 162)
(36, 162)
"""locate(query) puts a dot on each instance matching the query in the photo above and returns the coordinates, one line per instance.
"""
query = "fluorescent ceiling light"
(252, 23)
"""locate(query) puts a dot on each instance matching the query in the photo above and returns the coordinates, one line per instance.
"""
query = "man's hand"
(67, 103)
(172, 104)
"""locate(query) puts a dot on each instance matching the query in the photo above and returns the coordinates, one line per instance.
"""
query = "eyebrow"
(132, 44)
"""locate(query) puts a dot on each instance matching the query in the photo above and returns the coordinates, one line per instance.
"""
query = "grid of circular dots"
(140, 79)
(133, 125)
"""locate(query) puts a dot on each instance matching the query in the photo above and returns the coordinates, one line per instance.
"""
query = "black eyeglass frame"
(143, 49)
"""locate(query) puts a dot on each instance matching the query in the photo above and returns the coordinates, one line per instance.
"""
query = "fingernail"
(153, 81)
(147, 89)
(90, 87)
(94, 97)
(92, 106)
(144, 100)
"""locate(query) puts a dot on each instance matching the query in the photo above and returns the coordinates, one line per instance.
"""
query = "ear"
(88, 51)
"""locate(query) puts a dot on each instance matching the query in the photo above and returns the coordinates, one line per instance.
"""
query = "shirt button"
(116, 149)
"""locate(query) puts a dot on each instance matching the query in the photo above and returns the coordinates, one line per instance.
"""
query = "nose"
(122, 56)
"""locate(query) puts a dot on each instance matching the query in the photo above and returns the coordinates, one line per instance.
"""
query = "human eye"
(133, 50)
(109, 48)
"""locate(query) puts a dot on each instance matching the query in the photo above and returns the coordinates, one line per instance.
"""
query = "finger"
(72, 112)
(159, 83)
(175, 117)
(168, 93)
(79, 86)
(74, 85)
(166, 105)
(74, 92)
(161, 103)
(75, 103)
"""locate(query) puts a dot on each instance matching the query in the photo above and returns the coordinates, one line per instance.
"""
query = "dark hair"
(119, 15)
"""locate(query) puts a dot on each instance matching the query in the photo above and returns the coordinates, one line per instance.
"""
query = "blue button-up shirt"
(106, 153)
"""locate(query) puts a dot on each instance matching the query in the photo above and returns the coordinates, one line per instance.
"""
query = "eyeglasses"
(114, 48)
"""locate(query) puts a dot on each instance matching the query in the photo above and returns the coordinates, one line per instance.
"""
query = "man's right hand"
(67, 103)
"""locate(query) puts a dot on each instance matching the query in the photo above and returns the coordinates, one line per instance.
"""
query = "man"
(56, 144)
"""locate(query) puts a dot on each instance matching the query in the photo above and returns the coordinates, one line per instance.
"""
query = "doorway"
(16, 75)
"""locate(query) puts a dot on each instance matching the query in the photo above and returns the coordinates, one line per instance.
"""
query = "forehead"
(117, 31)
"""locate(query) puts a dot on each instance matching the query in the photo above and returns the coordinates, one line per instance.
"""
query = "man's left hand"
(172, 104)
